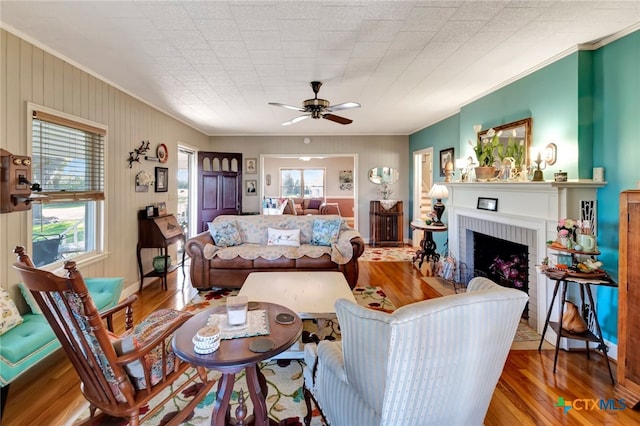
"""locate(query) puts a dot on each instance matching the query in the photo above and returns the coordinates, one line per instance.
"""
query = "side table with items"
(427, 244)
(235, 354)
(564, 274)
(158, 232)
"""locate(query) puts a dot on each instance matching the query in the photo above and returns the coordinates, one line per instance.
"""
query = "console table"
(385, 224)
(158, 232)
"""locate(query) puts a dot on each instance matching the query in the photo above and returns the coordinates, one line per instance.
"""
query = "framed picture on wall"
(251, 167)
(251, 187)
(446, 155)
(162, 179)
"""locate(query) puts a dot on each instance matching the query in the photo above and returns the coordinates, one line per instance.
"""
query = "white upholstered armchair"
(432, 362)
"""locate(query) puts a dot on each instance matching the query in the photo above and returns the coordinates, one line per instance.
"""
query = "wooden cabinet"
(629, 297)
(159, 233)
(385, 225)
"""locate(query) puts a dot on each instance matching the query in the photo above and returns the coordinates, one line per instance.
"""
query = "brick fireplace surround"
(527, 213)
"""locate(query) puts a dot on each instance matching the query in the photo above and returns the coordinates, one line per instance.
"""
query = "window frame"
(302, 186)
(97, 207)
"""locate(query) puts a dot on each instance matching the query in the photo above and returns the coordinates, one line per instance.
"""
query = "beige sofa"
(217, 266)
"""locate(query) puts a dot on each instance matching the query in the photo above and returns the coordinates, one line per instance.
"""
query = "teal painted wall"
(616, 147)
(588, 104)
(442, 135)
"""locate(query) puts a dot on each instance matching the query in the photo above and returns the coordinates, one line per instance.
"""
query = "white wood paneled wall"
(29, 74)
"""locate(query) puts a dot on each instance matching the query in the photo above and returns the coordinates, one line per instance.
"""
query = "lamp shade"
(438, 191)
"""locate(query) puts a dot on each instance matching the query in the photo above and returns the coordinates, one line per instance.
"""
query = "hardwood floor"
(527, 393)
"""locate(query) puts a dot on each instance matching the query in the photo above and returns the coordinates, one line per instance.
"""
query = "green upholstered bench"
(31, 341)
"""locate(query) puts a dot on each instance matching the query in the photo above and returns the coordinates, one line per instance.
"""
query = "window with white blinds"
(67, 160)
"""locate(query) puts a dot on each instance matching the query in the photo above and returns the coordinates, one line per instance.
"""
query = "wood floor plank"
(525, 395)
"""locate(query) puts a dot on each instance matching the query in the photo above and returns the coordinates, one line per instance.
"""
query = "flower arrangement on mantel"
(487, 148)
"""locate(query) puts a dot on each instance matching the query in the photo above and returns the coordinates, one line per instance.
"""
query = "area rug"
(285, 402)
(388, 254)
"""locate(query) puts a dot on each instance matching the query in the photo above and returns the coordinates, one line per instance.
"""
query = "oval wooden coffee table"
(234, 355)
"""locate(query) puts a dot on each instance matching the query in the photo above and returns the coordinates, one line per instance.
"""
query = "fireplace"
(527, 214)
(502, 261)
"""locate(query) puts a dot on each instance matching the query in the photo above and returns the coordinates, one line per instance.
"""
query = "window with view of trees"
(68, 162)
(308, 183)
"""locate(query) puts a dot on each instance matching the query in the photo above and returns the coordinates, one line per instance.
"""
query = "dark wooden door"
(219, 186)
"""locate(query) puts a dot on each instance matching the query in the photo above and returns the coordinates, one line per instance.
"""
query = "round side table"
(234, 355)
(427, 245)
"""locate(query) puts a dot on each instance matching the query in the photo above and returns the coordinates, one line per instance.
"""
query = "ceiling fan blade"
(337, 118)
(296, 120)
(295, 108)
(346, 105)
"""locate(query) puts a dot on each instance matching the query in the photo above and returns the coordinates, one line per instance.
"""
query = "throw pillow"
(10, 315)
(325, 232)
(314, 204)
(224, 234)
(31, 301)
(283, 237)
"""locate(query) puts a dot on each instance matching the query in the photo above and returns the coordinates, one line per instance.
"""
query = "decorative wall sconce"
(550, 153)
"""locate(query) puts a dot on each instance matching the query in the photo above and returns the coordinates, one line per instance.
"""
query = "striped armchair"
(432, 362)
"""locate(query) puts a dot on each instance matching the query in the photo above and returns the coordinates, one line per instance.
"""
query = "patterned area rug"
(388, 254)
(285, 401)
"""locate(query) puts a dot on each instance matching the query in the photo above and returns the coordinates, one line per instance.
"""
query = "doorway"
(422, 182)
(186, 189)
(340, 182)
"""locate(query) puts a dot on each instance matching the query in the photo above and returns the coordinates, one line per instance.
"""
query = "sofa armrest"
(199, 270)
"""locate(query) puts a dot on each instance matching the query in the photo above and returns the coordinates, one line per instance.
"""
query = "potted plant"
(486, 150)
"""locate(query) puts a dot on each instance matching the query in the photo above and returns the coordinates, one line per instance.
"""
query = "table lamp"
(438, 192)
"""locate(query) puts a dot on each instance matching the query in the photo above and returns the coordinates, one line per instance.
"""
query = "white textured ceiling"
(217, 64)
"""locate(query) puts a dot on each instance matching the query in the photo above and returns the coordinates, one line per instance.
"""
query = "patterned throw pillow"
(283, 237)
(10, 315)
(325, 232)
(224, 234)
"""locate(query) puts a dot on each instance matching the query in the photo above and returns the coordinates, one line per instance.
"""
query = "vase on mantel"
(485, 173)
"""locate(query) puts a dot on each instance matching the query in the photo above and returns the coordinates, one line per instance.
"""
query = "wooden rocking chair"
(119, 374)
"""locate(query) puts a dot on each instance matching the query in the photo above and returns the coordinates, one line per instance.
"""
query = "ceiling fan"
(318, 108)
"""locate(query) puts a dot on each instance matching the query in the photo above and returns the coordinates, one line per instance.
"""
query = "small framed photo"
(251, 187)
(488, 204)
(162, 209)
(162, 179)
(149, 210)
(251, 166)
(446, 155)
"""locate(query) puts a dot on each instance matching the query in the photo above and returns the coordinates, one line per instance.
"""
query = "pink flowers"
(514, 269)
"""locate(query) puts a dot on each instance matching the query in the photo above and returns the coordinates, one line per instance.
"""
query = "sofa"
(226, 262)
(27, 343)
(305, 206)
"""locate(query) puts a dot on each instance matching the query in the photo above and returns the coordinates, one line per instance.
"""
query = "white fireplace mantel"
(535, 206)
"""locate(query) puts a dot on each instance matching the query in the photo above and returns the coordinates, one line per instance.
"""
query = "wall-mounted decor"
(490, 204)
(162, 153)
(162, 179)
(251, 167)
(346, 180)
(446, 155)
(143, 181)
(251, 187)
(134, 156)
